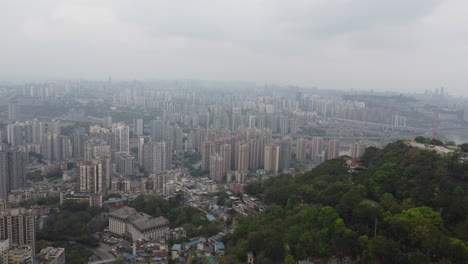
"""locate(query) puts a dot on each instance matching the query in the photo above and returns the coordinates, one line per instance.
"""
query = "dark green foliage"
(71, 223)
(421, 139)
(177, 214)
(464, 147)
(424, 140)
(409, 206)
(75, 253)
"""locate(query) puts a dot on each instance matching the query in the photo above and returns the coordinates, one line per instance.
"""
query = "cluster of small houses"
(156, 251)
(202, 248)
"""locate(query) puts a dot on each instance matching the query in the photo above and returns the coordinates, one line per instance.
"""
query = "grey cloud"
(328, 43)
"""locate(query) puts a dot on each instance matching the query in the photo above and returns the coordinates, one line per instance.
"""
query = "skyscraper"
(236, 118)
(91, 179)
(217, 168)
(13, 110)
(96, 149)
(333, 149)
(272, 153)
(226, 153)
(124, 164)
(13, 166)
(78, 141)
(120, 138)
(108, 121)
(177, 139)
(20, 133)
(158, 128)
(18, 226)
(56, 147)
(157, 156)
(301, 149)
(206, 155)
(285, 153)
(242, 156)
(316, 149)
(138, 127)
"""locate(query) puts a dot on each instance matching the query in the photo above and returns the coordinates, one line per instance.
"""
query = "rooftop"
(139, 220)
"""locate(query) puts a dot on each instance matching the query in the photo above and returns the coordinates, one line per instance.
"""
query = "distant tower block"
(435, 126)
(13, 110)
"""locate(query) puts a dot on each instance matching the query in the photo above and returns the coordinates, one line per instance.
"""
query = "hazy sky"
(401, 45)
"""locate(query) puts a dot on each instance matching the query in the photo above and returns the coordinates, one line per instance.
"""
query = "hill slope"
(409, 206)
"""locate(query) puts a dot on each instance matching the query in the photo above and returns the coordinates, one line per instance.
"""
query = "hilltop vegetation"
(409, 206)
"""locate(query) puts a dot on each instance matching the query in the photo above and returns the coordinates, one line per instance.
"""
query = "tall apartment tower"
(357, 149)
(272, 153)
(157, 156)
(96, 149)
(91, 179)
(78, 141)
(158, 128)
(18, 226)
(124, 164)
(226, 153)
(13, 110)
(177, 139)
(285, 153)
(236, 118)
(13, 166)
(242, 156)
(108, 122)
(120, 138)
(205, 154)
(20, 133)
(316, 150)
(56, 147)
(253, 154)
(141, 142)
(138, 127)
(36, 131)
(301, 149)
(217, 168)
(333, 149)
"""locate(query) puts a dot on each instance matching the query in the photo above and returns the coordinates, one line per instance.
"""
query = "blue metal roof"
(220, 245)
(210, 217)
(176, 247)
(191, 244)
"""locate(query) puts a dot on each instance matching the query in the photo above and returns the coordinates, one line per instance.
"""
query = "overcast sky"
(399, 45)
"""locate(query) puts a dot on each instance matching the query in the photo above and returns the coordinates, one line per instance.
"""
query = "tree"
(289, 259)
(421, 139)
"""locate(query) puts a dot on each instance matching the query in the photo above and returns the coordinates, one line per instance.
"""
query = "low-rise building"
(18, 255)
(91, 198)
(51, 255)
(128, 222)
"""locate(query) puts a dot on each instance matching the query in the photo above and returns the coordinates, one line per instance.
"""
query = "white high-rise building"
(13, 110)
(120, 138)
(138, 127)
(333, 149)
(316, 149)
(157, 156)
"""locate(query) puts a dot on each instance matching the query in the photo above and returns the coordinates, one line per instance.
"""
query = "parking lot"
(110, 247)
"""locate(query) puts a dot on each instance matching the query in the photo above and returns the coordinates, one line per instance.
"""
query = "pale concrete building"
(128, 222)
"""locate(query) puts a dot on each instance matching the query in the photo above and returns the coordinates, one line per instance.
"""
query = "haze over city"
(233, 132)
(400, 45)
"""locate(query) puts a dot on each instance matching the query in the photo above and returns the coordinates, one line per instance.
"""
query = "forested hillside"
(408, 206)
